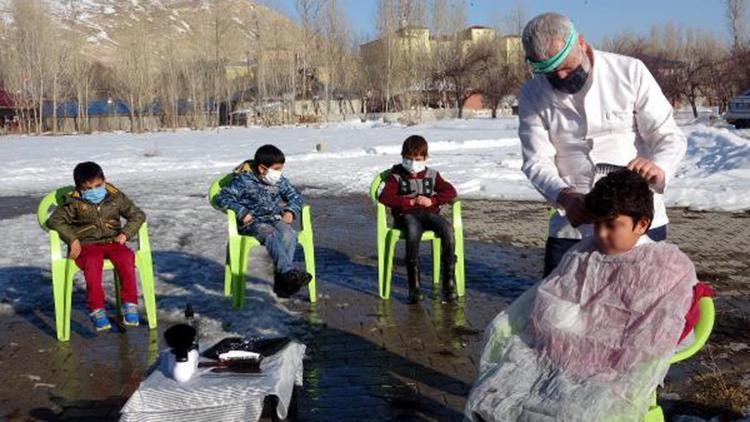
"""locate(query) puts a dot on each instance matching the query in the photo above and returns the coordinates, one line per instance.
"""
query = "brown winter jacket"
(78, 219)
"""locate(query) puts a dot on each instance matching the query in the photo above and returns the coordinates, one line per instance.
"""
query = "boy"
(266, 204)
(88, 220)
(414, 193)
(592, 340)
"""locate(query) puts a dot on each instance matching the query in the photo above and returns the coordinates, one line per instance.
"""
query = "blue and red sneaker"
(99, 319)
(130, 314)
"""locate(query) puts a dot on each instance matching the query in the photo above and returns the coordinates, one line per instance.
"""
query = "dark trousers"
(414, 224)
(556, 247)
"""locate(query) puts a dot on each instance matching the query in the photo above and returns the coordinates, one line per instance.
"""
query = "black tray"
(263, 346)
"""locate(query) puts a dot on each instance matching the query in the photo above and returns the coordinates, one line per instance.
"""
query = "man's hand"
(74, 250)
(287, 217)
(575, 207)
(247, 219)
(648, 170)
(423, 201)
(121, 238)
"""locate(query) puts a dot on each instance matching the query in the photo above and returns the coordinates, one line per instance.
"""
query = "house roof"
(6, 100)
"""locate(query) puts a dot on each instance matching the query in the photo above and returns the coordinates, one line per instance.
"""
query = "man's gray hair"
(541, 32)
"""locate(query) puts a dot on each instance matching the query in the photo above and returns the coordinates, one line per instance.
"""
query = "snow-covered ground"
(481, 157)
(168, 175)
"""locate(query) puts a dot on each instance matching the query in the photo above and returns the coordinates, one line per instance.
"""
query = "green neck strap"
(550, 64)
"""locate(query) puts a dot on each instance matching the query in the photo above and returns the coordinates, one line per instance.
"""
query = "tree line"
(229, 55)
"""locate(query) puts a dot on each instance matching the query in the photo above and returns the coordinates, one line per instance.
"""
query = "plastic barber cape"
(590, 342)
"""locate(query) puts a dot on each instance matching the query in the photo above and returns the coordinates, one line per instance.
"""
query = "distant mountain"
(103, 22)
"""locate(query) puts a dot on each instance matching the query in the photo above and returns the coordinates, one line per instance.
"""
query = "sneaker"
(130, 314)
(99, 319)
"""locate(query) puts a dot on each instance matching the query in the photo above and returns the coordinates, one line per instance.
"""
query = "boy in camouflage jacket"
(266, 204)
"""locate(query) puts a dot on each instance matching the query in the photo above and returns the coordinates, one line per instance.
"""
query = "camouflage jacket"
(248, 194)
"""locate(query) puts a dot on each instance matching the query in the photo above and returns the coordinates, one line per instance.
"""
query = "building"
(417, 40)
(411, 45)
(511, 48)
(7, 112)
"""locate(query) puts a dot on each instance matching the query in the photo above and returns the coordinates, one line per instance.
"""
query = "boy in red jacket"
(414, 193)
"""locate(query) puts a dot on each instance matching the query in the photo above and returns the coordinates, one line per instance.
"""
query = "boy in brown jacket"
(88, 220)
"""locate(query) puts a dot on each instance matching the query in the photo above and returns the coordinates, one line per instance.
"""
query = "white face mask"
(413, 166)
(272, 176)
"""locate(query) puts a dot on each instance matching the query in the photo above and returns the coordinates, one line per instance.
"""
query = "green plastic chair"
(388, 237)
(63, 269)
(702, 331)
(239, 246)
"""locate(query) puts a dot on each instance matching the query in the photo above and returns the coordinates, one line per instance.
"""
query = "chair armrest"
(382, 219)
(232, 222)
(55, 245)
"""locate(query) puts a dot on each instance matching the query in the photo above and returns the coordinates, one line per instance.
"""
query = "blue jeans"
(279, 239)
(556, 247)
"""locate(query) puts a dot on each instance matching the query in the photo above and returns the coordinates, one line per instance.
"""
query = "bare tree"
(498, 78)
(516, 18)
(735, 12)
(310, 12)
(134, 71)
(388, 24)
(31, 26)
(462, 72)
(449, 18)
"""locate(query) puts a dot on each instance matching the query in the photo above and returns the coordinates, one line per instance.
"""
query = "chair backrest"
(216, 187)
(702, 330)
(376, 182)
(49, 203)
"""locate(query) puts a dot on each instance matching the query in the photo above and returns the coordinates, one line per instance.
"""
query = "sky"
(596, 19)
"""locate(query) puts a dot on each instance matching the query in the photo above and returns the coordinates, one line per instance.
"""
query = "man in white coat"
(586, 107)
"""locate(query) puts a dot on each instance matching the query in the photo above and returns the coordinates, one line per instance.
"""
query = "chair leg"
(234, 264)
(655, 413)
(381, 264)
(309, 250)
(390, 249)
(460, 269)
(58, 294)
(70, 271)
(238, 292)
(146, 273)
(227, 273)
(436, 261)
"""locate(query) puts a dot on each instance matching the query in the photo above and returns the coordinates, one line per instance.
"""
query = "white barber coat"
(621, 113)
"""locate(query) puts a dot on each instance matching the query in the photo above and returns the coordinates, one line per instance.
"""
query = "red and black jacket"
(401, 187)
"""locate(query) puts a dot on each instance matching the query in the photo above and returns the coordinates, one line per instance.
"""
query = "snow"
(168, 175)
(481, 157)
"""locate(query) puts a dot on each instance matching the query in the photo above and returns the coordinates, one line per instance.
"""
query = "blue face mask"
(94, 195)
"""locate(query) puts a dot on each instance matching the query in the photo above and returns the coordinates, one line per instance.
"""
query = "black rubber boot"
(289, 283)
(449, 281)
(412, 271)
(282, 285)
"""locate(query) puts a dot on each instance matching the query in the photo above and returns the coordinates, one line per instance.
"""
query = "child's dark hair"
(269, 155)
(622, 192)
(414, 146)
(87, 171)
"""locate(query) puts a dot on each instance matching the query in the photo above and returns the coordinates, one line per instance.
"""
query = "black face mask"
(572, 83)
